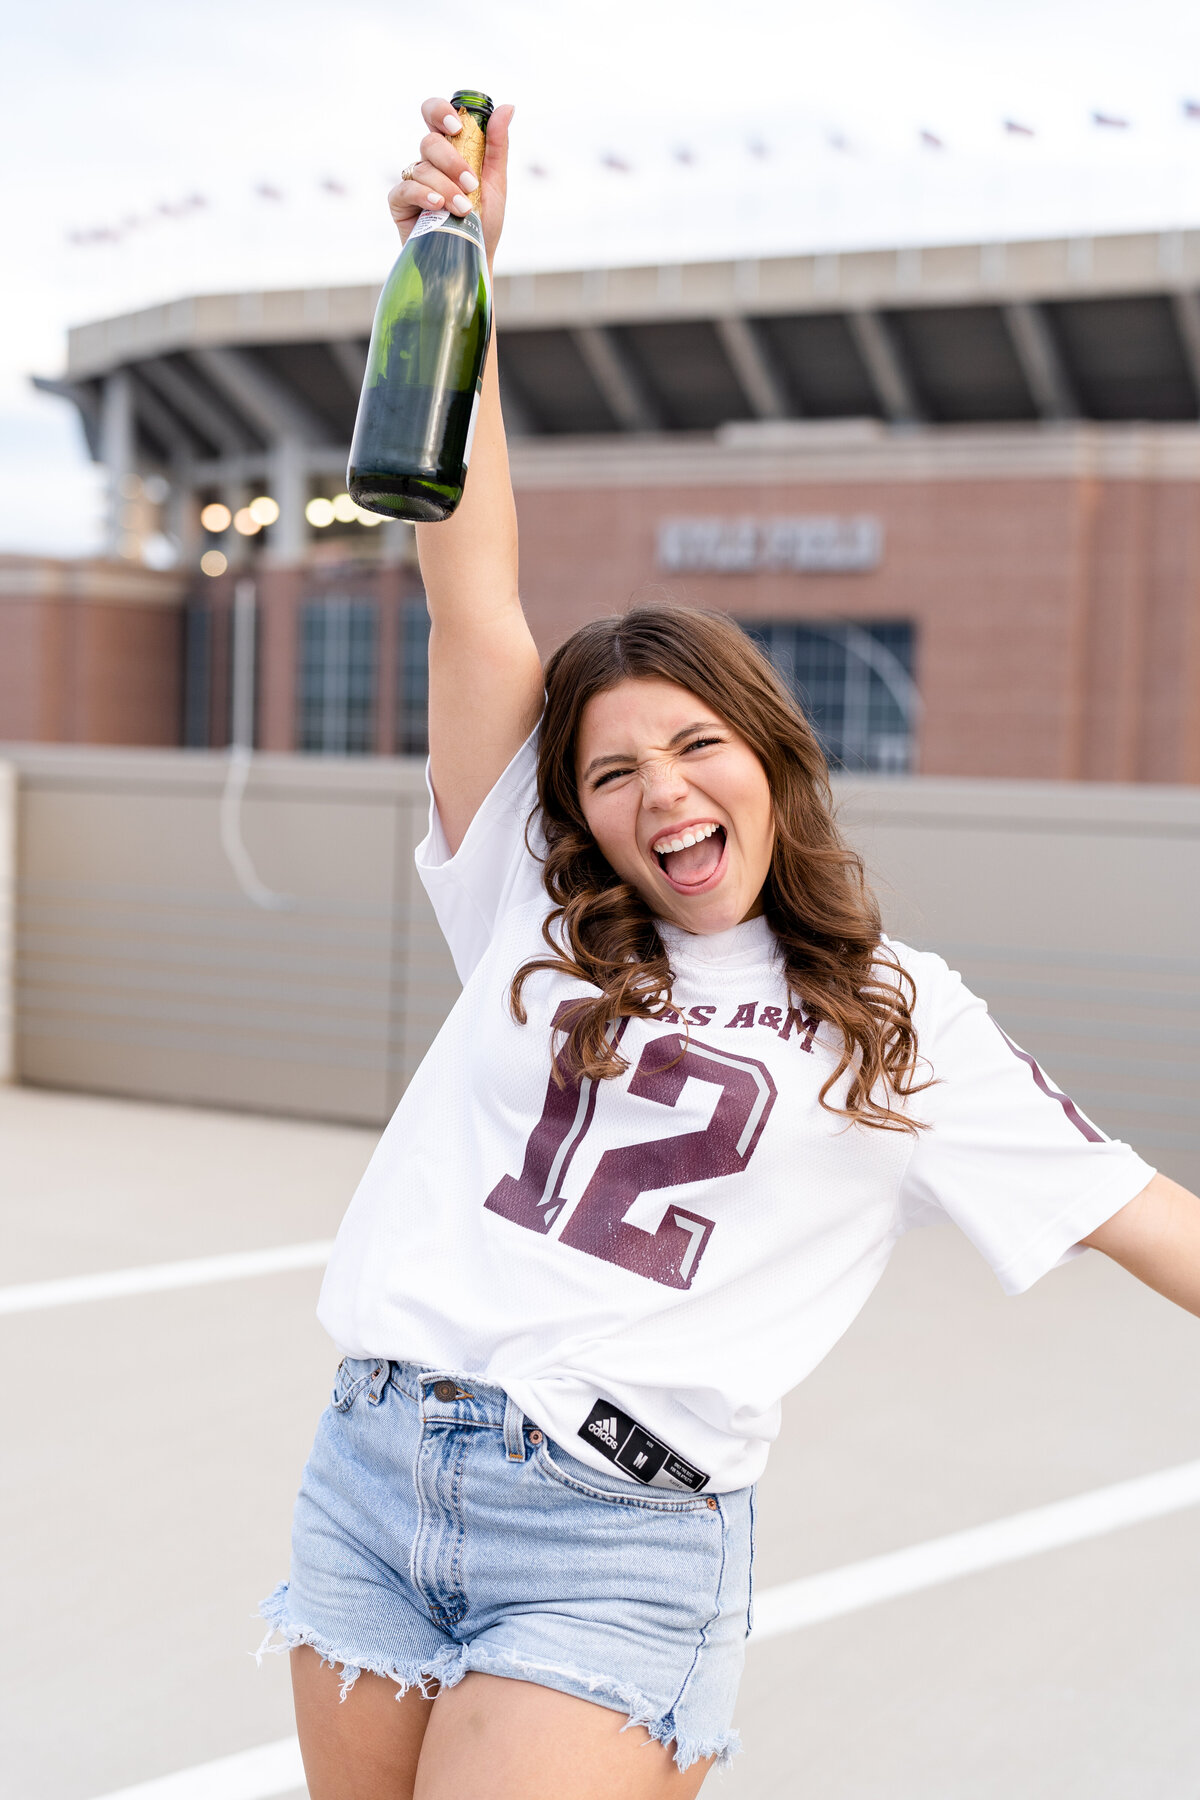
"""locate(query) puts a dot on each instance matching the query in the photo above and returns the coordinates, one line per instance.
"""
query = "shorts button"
(535, 1437)
(444, 1390)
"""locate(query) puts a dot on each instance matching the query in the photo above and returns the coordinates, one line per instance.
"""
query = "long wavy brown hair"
(816, 900)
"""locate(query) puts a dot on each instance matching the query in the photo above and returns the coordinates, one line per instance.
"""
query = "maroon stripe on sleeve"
(1082, 1125)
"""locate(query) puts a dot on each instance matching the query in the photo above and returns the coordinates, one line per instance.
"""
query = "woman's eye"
(613, 775)
(702, 743)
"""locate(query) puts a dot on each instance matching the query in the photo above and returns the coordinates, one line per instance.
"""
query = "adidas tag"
(646, 1458)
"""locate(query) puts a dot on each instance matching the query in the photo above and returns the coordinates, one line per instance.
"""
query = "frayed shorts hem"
(448, 1666)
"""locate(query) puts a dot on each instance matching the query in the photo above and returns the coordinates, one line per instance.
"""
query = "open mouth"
(693, 859)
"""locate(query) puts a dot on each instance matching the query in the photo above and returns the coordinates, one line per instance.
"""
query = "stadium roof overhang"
(1094, 328)
(1105, 329)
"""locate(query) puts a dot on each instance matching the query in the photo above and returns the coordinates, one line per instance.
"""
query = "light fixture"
(213, 563)
(264, 510)
(245, 522)
(368, 518)
(216, 517)
(319, 513)
(344, 509)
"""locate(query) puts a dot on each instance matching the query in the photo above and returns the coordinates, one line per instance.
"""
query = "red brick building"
(91, 652)
(1052, 582)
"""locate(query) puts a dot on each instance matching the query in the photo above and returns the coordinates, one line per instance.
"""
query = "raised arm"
(485, 675)
(1156, 1236)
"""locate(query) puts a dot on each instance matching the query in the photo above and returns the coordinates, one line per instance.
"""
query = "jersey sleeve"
(493, 869)
(1010, 1159)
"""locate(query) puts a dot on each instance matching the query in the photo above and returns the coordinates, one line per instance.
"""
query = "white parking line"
(157, 1278)
(828, 1596)
(251, 1775)
(276, 1768)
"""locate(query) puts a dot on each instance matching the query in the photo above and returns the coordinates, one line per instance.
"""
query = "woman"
(648, 1173)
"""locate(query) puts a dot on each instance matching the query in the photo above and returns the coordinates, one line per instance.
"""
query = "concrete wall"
(1071, 908)
(144, 969)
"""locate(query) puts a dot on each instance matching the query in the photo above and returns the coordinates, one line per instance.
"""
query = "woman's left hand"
(437, 177)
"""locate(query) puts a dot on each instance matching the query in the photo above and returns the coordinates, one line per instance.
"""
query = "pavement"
(153, 1442)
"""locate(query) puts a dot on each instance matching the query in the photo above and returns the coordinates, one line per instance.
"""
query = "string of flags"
(166, 209)
(609, 160)
(85, 237)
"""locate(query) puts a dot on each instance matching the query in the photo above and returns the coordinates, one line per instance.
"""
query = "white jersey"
(648, 1264)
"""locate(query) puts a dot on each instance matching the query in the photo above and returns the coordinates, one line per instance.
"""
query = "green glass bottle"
(420, 397)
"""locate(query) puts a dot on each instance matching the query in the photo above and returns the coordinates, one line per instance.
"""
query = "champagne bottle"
(420, 396)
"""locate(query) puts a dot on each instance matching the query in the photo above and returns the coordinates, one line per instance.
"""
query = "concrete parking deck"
(153, 1443)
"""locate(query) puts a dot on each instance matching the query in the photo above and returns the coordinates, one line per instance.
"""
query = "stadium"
(954, 490)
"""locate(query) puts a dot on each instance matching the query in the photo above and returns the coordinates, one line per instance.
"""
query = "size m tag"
(634, 1450)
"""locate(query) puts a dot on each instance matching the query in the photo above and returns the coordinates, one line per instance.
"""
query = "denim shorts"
(435, 1536)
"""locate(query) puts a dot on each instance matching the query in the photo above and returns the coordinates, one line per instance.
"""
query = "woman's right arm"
(485, 675)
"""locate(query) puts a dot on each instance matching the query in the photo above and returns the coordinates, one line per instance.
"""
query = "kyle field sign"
(808, 544)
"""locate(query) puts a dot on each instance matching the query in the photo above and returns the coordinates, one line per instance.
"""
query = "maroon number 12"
(672, 1254)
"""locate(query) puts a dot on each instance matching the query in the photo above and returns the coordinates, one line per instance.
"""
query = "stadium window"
(338, 639)
(855, 684)
(412, 684)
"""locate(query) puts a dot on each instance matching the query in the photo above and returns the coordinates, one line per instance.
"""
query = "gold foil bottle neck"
(470, 144)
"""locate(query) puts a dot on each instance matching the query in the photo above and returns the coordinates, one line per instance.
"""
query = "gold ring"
(408, 173)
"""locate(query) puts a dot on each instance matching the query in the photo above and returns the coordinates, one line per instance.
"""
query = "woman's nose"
(663, 782)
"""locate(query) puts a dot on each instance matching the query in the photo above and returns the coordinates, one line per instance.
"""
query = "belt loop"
(514, 1430)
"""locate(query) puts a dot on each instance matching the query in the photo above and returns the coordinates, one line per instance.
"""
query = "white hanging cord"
(241, 754)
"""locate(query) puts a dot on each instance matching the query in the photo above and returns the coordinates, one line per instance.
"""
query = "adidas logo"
(606, 1429)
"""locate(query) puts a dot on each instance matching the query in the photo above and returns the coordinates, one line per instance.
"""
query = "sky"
(151, 151)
